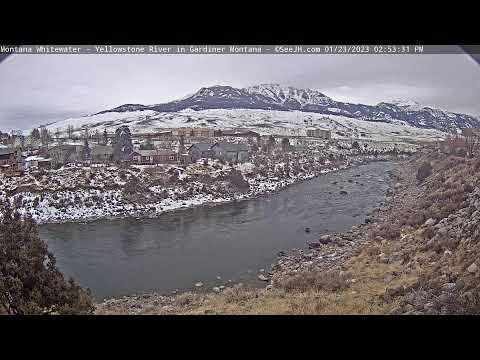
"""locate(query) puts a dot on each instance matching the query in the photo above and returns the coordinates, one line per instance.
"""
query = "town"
(80, 175)
(43, 150)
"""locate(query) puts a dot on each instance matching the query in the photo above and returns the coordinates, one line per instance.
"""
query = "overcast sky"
(36, 89)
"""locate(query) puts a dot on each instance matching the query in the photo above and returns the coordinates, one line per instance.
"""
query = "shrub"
(133, 186)
(185, 299)
(462, 152)
(235, 177)
(30, 282)
(314, 280)
(386, 231)
(424, 171)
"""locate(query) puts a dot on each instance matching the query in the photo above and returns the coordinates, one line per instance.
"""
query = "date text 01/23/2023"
(350, 49)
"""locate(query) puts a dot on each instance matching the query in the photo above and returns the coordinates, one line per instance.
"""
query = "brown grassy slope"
(405, 265)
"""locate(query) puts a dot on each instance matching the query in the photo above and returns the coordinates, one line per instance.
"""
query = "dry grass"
(358, 289)
(316, 281)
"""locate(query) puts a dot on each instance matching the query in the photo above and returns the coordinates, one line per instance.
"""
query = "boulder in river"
(307, 229)
(343, 192)
(325, 239)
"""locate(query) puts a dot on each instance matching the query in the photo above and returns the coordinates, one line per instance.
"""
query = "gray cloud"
(36, 89)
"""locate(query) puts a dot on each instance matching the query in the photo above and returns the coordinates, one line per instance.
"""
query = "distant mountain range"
(287, 98)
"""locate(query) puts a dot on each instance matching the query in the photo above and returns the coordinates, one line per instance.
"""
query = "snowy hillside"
(291, 123)
(287, 98)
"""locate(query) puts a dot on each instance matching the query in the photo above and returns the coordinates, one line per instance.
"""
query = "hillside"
(418, 254)
(262, 121)
(287, 98)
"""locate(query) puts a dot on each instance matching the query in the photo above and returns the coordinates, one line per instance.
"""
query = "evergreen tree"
(271, 143)
(285, 144)
(45, 136)
(30, 282)
(122, 144)
(70, 131)
(105, 137)
(35, 134)
(86, 150)
(97, 136)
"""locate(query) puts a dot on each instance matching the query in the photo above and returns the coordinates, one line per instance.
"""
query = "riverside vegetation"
(416, 254)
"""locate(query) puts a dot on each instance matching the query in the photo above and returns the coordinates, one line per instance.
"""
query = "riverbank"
(85, 194)
(417, 254)
(233, 241)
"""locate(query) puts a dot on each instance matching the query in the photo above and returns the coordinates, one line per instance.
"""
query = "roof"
(231, 146)
(65, 147)
(201, 146)
(6, 151)
(34, 158)
(238, 132)
(101, 150)
(154, 152)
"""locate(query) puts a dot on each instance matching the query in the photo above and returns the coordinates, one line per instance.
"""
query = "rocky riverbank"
(417, 254)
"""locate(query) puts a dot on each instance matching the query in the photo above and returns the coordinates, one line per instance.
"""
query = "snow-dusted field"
(262, 121)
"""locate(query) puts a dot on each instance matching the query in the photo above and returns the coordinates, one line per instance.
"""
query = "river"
(232, 241)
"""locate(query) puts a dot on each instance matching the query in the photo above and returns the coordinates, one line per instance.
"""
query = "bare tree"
(70, 131)
(472, 142)
(45, 136)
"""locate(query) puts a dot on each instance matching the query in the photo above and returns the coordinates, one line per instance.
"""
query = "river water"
(233, 241)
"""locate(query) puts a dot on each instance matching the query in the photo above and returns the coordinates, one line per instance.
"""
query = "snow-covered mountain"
(262, 121)
(287, 98)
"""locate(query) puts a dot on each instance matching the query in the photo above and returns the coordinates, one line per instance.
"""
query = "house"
(4, 138)
(199, 151)
(319, 133)
(148, 157)
(238, 133)
(65, 154)
(9, 156)
(10, 161)
(37, 162)
(230, 151)
(101, 154)
(194, 132)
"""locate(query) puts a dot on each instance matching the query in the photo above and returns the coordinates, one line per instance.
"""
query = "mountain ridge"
(288, 98)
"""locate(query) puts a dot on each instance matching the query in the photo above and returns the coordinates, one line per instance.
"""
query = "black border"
(292, 26)
(263, 24)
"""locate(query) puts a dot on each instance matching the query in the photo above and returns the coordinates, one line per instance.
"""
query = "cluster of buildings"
(175, 146)
(468, 143)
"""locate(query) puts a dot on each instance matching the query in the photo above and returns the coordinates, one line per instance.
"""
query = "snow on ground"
(263, 121)
(76, 193)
